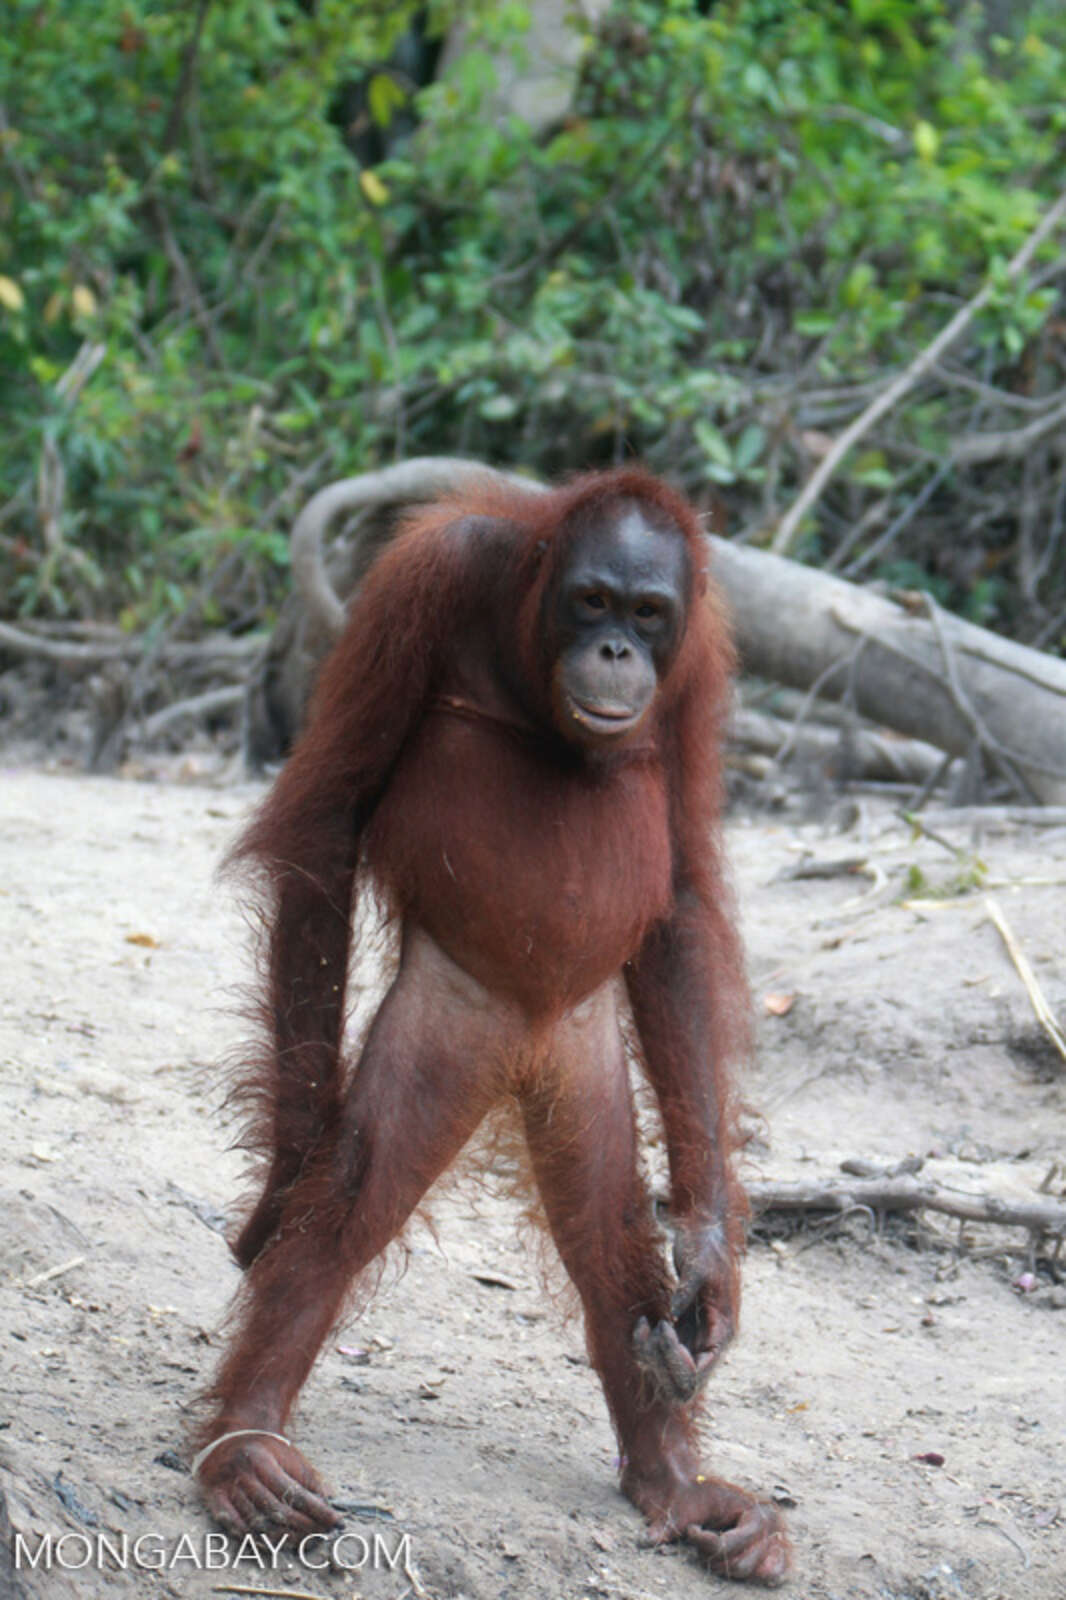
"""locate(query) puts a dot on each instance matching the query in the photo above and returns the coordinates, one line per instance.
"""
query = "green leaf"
(384, 97)
(814, 324)
(498, 408)
(926, 140)
(750, 446)
(858, 283)
(714, 446)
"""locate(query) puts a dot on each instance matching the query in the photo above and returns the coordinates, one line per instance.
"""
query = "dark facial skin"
(619, 619)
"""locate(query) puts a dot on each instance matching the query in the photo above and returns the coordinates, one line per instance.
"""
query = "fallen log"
(843, 752)
(931, 676)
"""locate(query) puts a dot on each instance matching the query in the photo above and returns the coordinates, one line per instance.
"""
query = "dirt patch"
(464, 1413)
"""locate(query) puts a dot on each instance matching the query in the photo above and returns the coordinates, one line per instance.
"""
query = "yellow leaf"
(83, 300)
(373, 188)
(53, 309)
(11, 295)
(926, 140)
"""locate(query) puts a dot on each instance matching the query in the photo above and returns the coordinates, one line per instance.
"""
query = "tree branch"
(1012, 442)
(923, 361)
(185, 80)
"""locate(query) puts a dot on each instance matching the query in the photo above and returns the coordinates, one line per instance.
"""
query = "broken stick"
(904, 1194)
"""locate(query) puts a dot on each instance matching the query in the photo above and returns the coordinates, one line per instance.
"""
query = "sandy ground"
(460, 1411)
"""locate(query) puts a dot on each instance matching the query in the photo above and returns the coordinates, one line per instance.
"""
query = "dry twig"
(269, 1594)
(904, 1194)
(1041, 1009)
(996, 816)
(208, 704)
(39, 1279)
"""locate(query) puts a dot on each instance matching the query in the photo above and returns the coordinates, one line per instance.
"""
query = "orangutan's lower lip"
(605, 718)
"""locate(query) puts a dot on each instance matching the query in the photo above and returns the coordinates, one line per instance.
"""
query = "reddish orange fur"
(558, 870)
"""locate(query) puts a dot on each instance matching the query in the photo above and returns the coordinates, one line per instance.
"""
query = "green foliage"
(969, 875)
(213, 241)
(969, 871)
(767, 199)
